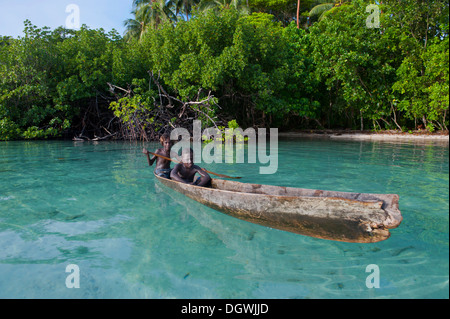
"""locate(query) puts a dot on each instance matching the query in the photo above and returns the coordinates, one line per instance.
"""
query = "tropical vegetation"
(262, 63)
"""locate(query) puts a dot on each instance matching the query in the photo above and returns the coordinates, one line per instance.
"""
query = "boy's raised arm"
(150, 161)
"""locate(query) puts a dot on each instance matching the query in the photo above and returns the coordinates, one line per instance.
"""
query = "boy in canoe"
(162, 165)
(185, 171)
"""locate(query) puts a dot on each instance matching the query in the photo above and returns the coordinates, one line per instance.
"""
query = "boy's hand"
(145, 151)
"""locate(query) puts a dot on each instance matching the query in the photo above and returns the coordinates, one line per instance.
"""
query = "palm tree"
(324, 6)
(183, 6)
(134, 29)
(147, 14)
(154, 12)
(239, 5)
(300, 11)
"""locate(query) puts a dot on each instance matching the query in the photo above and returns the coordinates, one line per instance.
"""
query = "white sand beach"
(378, 136)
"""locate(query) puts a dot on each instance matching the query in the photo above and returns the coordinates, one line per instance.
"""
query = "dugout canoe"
(339, 216)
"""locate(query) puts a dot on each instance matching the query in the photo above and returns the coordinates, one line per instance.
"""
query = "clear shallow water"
(98, 206)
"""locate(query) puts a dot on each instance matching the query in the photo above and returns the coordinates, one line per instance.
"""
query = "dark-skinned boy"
(185, 171)
(162, 165)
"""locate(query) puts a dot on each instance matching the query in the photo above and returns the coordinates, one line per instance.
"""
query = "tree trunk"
(443, 120)
(395, 117)
(424, 120)
(362, 120)
(298, 14)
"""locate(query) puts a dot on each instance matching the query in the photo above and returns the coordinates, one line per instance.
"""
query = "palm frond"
(320, 9)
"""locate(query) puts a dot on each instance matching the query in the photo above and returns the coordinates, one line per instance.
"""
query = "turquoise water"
(98, 206)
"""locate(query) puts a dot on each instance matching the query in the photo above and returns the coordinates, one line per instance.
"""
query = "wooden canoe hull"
(340, 216)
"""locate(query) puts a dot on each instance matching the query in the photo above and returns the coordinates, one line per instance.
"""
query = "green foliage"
(221, 133)
(351, 60)
(270, 4)
(436, 62)
(46, 76)
(423, 76)
(284, 11)
(233, 124)
(260, 68)
(135, 111)
(423, 85)
(195, 54)
(365, 69)
(9, 130)
(246, 57)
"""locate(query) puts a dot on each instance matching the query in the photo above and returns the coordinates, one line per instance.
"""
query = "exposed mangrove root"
(137, 119)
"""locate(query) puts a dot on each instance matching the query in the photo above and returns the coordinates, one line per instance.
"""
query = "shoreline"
(388, 136)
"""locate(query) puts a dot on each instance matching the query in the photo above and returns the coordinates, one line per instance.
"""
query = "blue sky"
(106, 14)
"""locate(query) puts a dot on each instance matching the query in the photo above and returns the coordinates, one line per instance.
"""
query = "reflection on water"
(98, 206)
